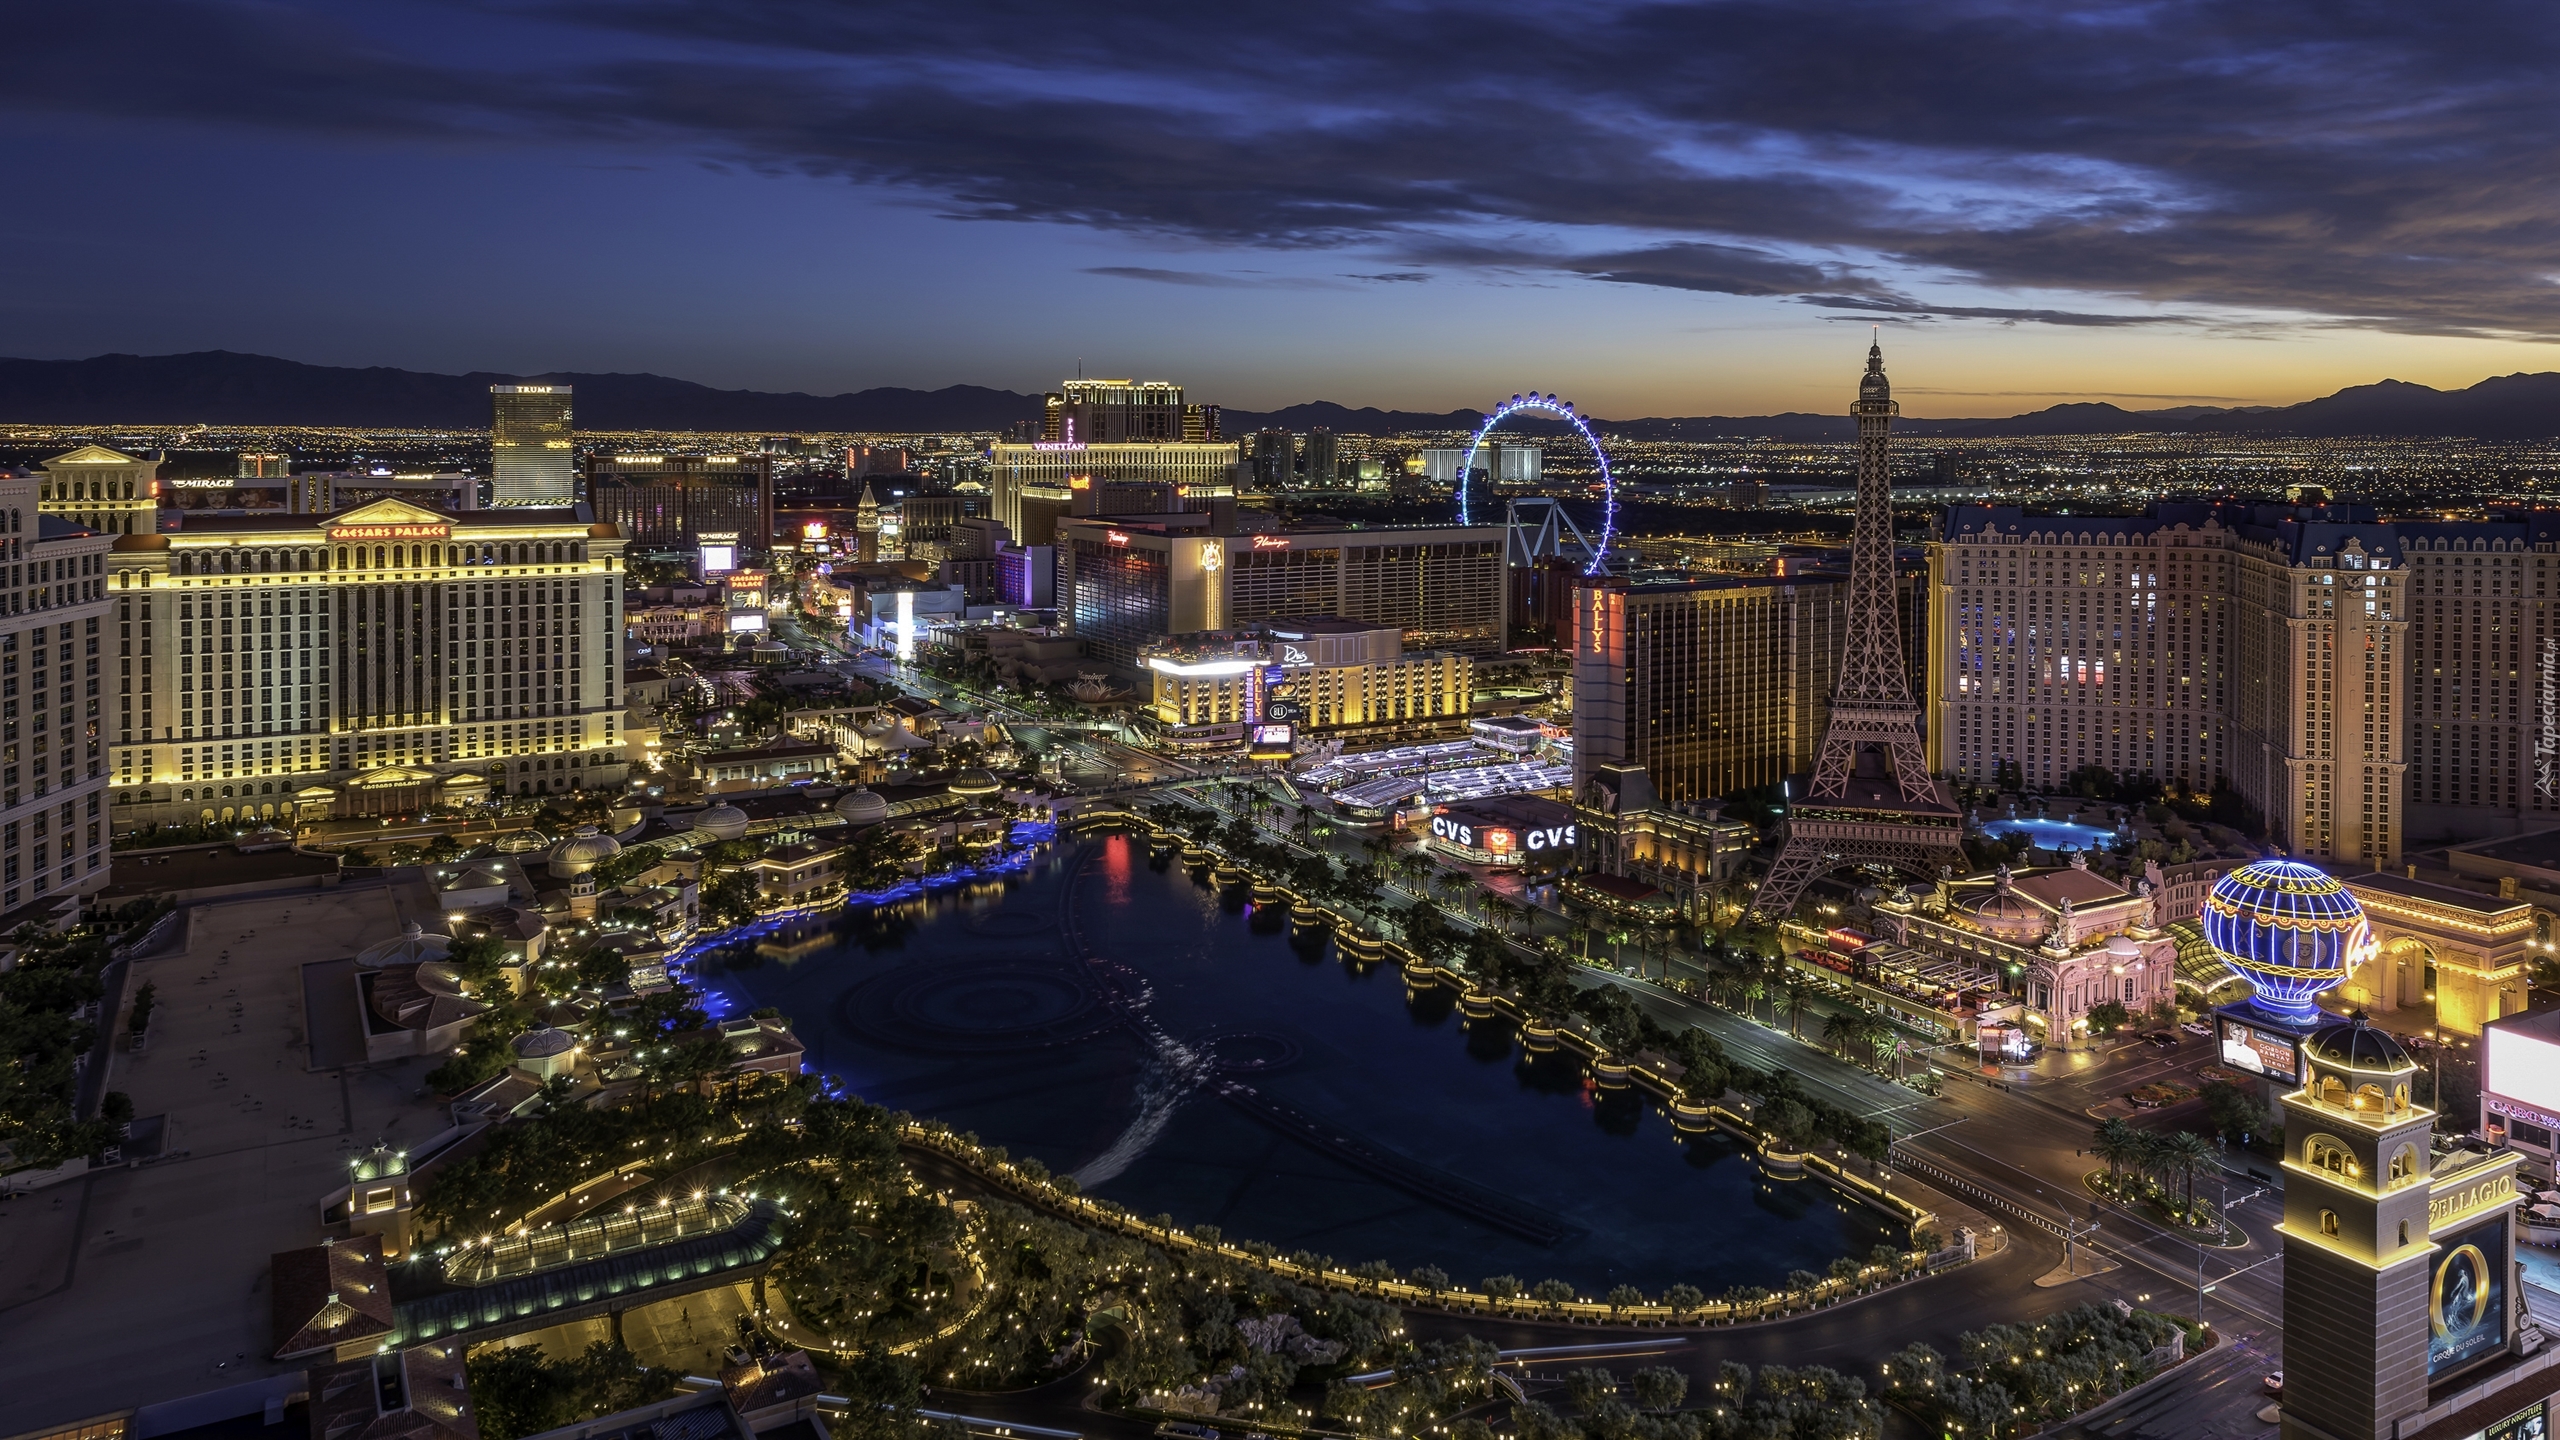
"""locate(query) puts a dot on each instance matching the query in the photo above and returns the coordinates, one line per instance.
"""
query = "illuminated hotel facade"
(104, 490)
(371, 662)
(2357, 681)
(1128, 581)
(661, 502)
(1709, 686)
(53, 604)
(530, 458)
(1187, 474)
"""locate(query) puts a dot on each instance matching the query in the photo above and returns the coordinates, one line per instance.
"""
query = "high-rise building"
(104, 490)
(1711, 685)
(661, 501)
(1127, 581)
(371, 662)
(1275, 459)
(866, 527)
(53, 603)
(1099, 433)
(2355, 680)
(1323, 459)
(529, 445)
(1497, 462)
(1114, 412)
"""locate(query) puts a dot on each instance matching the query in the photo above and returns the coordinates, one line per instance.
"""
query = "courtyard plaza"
(255, 1143)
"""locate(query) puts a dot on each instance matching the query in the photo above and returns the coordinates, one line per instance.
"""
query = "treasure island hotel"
(282, 667)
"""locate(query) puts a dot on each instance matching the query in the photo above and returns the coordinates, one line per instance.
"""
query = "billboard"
(2258, 1049)
(2533, 1422)
(2522, 1068)
(744, 621)
(718, 559)
(1272, 742)
(2467, 1298)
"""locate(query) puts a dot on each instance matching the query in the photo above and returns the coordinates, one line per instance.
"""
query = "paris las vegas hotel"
(2371, 686)
(266, 667)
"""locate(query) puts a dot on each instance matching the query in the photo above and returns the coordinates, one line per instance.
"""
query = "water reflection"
(1182, 1050)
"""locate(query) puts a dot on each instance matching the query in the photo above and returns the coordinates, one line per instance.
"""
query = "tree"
(1796, 998)
(1551, 1292)
(1625, 1297)
(2109, 1016)
(2236, 1111)
(1660, 1387)
(1500, 1287)
(2186, 1155)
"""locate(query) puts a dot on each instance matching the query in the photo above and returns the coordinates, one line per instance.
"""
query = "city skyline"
(2129, 221)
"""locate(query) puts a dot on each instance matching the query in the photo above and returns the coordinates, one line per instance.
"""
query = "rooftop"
(2385, 883)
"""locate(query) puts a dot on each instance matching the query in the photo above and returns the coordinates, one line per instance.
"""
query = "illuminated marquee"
(391, 532)
(1270, 542)
(1057, 444)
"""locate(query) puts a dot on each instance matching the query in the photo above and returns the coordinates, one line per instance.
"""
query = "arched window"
(2328, 1222)
(378, 559)
(2404, 1232)
(2404, 1164)
(186, 794)
(2333, 1091)
(227, 560)
(2369, 1097)
(2327, 1152)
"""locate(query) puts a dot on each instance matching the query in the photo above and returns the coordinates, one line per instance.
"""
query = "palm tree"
(2185, 1153)
(1453, 886)
(1797, 998)
(2117, 1144)
(1727, 987)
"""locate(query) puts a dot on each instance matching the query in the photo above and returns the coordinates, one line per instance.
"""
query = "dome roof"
(579, 853)
(542, 1040)
(722, 822)
(522, 842)
(412, 946)
(2355, 1045)
(2291, 930)
(973, 781)
(862, 807)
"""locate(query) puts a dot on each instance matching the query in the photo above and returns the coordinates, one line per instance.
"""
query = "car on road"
(2161, 1038)
(2274, 1383)
(2196, 1027)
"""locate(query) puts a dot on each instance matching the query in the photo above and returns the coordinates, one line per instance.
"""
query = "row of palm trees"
(2169, 1162)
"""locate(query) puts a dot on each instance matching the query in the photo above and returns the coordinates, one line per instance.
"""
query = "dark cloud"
(1204, 278)
(2361, 164)
(1394, 277)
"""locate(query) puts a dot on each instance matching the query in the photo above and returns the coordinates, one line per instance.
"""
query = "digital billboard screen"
(719, 559)
(2467, 1298)
(2259, 1050)
(1272, 742)
(2521, 1068)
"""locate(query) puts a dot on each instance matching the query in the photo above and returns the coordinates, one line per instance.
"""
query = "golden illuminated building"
(2402, 1307)
(2466, 954)
(375, 661)
(101, 489)
(1710, 686)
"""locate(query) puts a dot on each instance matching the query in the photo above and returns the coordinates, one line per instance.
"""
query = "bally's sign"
(391, 532)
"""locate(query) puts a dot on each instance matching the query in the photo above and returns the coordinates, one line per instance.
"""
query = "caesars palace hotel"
(362, 663)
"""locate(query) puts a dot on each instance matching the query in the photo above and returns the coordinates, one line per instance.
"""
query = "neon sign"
(390, 532)
(1116, 537)
(1270, 542)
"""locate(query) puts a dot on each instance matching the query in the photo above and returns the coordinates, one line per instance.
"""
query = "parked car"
(2197, 1027)
(2162, 1038)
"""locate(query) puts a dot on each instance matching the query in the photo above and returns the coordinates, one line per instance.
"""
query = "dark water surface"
(1180, 1054)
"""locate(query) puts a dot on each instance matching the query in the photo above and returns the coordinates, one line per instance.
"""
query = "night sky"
(1687, 209)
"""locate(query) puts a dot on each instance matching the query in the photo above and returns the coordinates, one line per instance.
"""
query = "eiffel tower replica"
(1873, 801)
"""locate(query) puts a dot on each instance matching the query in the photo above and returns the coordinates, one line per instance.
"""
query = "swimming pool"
(2053, 834)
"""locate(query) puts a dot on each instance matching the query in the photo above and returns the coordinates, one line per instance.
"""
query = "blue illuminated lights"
(1562, 410)
(2291, 930)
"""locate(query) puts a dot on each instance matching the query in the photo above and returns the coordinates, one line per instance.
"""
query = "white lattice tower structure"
(1872, 799)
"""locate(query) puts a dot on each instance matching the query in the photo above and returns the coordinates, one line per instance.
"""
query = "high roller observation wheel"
(1563, 410)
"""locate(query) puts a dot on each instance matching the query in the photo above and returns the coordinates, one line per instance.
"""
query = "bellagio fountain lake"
(1179, 1052)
